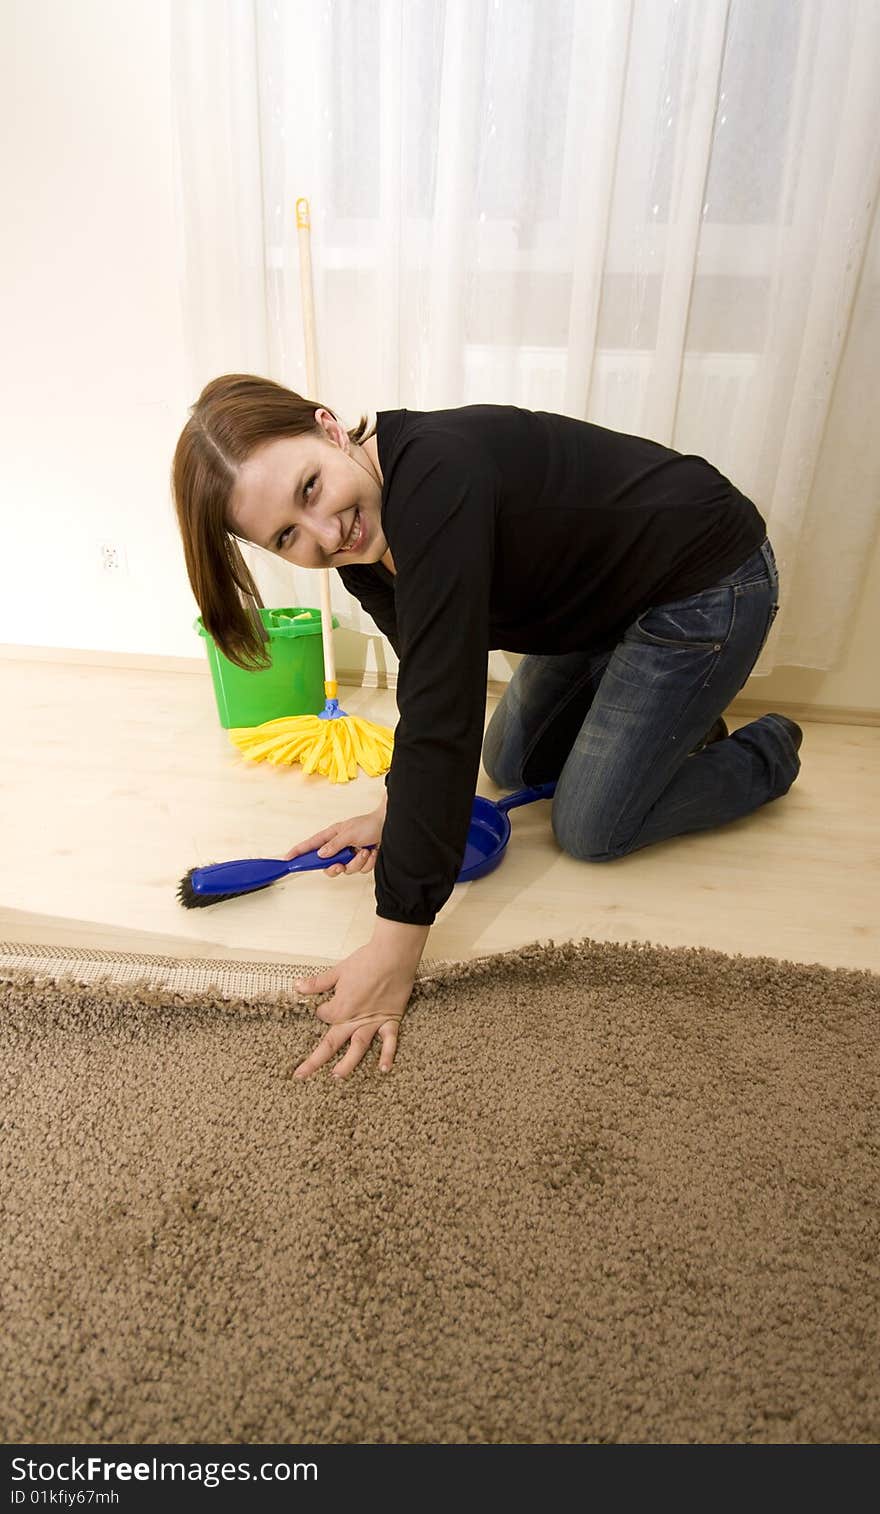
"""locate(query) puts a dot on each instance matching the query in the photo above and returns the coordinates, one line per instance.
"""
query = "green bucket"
(293, 685)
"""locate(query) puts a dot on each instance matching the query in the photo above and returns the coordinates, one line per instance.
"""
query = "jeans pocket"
(703, 621)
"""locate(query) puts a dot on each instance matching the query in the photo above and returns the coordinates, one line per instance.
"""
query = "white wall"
(94, 387)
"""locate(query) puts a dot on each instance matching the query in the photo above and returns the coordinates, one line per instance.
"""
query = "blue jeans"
(617, 728)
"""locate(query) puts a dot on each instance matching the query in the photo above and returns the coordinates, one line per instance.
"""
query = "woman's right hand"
(361, 831)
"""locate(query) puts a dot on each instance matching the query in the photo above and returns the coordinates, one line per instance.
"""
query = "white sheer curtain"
(658, 215)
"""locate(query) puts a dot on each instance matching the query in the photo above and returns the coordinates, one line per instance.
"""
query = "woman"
(638, 581)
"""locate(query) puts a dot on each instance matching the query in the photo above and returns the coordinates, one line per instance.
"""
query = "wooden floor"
(116, 781)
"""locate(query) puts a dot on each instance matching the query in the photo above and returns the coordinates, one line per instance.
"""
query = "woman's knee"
(500, 764)
(501, 771)
(579, 836)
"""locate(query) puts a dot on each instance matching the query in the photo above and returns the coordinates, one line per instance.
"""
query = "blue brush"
(226, 880)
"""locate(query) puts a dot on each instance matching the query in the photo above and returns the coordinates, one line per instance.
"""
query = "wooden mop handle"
(307, 297)
(303, 226)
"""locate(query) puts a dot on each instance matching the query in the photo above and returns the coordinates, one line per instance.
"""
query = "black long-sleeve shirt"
(525, 531)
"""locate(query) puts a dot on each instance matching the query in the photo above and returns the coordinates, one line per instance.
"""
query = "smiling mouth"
(355, 535)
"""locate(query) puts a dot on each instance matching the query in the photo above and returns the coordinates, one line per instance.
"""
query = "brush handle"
(255, 872)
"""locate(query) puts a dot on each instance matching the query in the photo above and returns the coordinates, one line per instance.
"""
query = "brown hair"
(232, 416)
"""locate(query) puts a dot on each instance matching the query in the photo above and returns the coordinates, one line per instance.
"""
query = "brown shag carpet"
(608, 1193)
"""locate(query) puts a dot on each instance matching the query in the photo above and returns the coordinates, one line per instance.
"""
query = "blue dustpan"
(489, 830)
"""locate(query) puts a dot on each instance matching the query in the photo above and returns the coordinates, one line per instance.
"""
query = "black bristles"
(191, 900)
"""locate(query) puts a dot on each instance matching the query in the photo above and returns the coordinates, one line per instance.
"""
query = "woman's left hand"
(372, 989)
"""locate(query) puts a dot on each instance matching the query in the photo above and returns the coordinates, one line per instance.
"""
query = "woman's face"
(308, 499)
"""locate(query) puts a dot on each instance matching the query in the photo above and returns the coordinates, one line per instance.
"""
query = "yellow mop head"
(333, 743)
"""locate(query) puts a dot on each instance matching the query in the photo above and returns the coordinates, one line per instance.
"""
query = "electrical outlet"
(112, 558)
